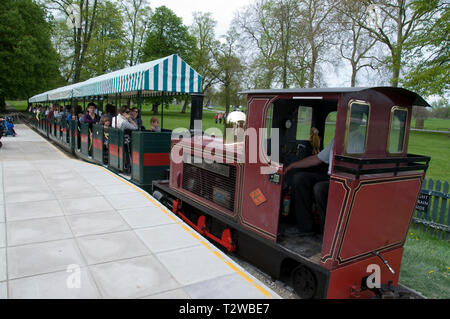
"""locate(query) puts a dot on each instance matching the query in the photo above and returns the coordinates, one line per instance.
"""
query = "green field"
(434, 124)
(426, 264)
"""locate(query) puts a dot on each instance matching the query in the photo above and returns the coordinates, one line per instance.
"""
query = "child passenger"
(154, 122)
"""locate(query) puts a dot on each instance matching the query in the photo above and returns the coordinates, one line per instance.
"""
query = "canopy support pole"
(162, 110)
(115, 119)
(140, 107)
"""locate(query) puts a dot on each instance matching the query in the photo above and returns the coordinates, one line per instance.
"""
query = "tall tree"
(429, 58)
(313, 33)
(393, 23)
(107, 51)
(84, 20)
(29, 63)
(203, 29)
(227, 66)
(137, 14)
(258, 26)
(167, 35)
(353, 41)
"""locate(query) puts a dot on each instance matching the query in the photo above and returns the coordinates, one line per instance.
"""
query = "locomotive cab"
(373, 186)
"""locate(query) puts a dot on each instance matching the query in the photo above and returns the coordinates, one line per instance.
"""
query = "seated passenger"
(90, 117)
(307, 186)
(123, 120)
(154, 122)
(134, 113)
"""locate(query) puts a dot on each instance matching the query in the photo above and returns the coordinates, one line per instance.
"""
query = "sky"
(222, 10)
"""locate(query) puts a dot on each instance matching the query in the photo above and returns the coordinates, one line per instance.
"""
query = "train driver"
(307, 186)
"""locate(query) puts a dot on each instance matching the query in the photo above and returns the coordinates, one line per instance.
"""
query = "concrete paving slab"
(132, 278)
(166, 237)
(172, 294)
(3, 290)
(31, 210)
(2, 235)
(112, 246)
(2, 214)
(35, 259)
(209, 267)
(31, 196)
(85, 205)
(133, 200)
(96, 223)
(143, 217)
(57, 285)
(3, 264)
(37, 230)
(226, 287)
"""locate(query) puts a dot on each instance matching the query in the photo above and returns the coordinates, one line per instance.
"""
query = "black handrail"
(411, 160)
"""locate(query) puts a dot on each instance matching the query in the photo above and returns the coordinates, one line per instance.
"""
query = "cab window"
(397, 129)
(357, 126)
(330, 128)
(304, 117)
(269, 120)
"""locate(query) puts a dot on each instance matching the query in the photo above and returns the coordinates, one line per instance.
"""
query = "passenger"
(154, 122)
(123, 120)
(134, 113)
(49, 114)
(105, 121)
(90, 117)
(110, 111)
(307, 186)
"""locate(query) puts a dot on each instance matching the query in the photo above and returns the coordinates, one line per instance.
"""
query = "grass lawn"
(434, 124)
(436, 145)
(18, 105)
(426, 264)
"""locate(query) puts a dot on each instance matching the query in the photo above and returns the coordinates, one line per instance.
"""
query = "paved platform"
(69, 229)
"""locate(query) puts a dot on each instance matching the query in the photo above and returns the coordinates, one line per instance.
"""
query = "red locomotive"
(242, 204)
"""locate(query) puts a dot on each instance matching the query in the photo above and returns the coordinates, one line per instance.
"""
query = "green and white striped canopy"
(169, 74)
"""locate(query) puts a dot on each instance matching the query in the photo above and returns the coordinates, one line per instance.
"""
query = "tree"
(107, 51)
(167, 35)
(227, 66)
(354, 42)
(137, 13)
(393, 23)
(203, 30)
(29, 61)
(82, 28)
(429, 58)
(312, 33)
(257, 26)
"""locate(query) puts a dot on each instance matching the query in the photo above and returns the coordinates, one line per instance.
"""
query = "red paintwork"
(98, 144)
(156, 159)
(152, 159)
(84, 138)
(345, 281)
(225, 240)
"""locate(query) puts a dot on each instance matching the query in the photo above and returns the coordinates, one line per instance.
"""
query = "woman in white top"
(123, 120)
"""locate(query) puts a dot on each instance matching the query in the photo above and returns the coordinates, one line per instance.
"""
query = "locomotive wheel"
(304, 282)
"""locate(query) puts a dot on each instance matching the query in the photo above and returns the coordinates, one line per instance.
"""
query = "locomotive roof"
(387, 90)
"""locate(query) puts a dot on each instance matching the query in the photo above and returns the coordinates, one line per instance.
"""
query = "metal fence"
(433, 209)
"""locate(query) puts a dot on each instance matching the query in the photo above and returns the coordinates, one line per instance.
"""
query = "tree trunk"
(183, 110)
(420, 123)
(155, 107)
